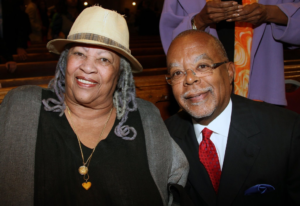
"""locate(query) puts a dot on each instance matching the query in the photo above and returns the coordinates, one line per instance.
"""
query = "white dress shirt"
(220, 128)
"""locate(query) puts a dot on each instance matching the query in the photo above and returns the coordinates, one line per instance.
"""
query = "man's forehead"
(202, 44)
(194, 59)
(200, 38)
(202, 56)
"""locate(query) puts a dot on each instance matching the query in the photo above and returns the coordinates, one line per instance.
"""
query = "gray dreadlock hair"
(124, 96)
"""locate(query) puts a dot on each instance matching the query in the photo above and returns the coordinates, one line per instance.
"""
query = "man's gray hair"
(124, 96)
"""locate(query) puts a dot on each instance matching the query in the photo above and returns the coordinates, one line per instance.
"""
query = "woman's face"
(91, 75)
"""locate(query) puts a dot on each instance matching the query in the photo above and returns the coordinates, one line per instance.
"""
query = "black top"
(225, 32)
(118, 171)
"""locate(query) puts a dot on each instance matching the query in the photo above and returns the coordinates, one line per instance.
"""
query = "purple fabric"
(267, 68)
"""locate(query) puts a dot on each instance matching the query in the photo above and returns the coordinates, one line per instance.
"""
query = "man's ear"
(231, 71)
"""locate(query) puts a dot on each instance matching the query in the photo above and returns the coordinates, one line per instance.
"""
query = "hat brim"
(58, 45)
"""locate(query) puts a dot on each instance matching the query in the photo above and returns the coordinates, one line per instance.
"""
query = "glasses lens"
(168, 79)
(203, 70)
(204, 73)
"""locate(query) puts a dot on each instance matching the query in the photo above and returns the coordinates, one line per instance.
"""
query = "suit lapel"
(240, 153)
(198, 177)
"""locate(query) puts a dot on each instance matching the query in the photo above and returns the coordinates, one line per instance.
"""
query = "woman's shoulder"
(21, 106)
(148, 109)
(146, 105)
(24, 94)
(150, 116)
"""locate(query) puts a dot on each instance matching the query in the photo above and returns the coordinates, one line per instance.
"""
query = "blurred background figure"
(147, 19)
(43, 11)
(15, 29)
(63, 19)
(35, 21)
(130, 19)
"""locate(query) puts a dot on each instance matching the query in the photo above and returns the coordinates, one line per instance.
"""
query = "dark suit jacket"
(263, 147)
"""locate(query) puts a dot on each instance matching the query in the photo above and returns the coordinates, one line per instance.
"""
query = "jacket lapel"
(240, 153)
(198, 177)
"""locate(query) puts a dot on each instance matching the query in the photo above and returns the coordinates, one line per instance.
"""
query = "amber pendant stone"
(83, 170)
(86, 185)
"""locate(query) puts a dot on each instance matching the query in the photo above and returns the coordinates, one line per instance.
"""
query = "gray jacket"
(19, 117)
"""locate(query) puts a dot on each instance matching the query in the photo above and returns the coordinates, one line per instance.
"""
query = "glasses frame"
(213, 66)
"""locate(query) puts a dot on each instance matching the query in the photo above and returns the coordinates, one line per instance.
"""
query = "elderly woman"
(87, 140)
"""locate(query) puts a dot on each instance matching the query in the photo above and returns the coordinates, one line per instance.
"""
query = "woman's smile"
(86, 82)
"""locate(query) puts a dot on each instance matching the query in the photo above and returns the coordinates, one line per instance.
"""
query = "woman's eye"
(104, 60)
(78, 54)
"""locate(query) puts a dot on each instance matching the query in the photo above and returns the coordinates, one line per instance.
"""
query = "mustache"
(196, 91)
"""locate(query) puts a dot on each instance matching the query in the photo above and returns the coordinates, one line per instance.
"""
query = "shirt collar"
(219, 125)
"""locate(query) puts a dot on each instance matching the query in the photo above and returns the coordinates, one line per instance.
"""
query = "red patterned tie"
(209, 158)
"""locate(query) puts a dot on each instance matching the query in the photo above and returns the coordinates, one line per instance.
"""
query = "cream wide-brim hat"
(101, 27)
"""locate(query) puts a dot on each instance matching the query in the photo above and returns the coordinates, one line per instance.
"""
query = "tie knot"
(206, 133)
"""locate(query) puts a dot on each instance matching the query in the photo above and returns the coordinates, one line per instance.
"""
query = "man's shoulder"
(262, 110)
(178, 118)
(179, 123)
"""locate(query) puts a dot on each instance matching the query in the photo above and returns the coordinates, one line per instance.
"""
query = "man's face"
(206, 97)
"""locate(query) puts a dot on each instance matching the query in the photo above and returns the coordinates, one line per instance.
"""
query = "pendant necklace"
(84, 169)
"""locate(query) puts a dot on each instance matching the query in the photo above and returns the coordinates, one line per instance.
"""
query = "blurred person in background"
(62, 21)
(147, 19)
(42, 6)
(35, 21)
(14, 32)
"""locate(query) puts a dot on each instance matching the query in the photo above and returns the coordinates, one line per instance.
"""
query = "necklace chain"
(83, 170)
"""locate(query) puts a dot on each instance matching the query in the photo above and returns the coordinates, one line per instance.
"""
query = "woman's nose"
(88, 65)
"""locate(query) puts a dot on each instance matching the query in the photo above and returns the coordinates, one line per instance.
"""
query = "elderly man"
(253, 33)
(240, 152)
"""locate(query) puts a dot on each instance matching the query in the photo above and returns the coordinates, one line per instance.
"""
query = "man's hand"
(11, 66)
(22, 54)
(216, 11)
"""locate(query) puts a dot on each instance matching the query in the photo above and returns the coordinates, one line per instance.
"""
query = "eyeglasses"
(178, 76)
